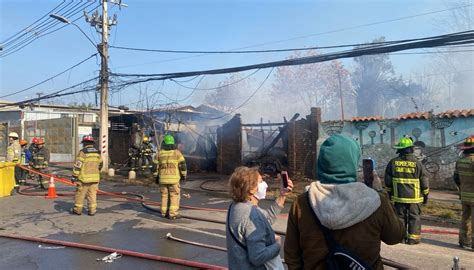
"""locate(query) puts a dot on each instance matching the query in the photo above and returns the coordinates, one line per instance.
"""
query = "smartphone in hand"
(284, 178)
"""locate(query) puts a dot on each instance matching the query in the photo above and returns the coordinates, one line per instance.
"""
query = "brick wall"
(229, 145)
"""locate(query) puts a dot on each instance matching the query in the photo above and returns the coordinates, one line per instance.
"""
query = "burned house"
(194, 129)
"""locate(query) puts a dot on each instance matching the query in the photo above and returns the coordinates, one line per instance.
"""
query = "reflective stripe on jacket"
(168, 166)
(464, 177)
(405, 180)
(87, 165)
(14, 152)
(41, 158)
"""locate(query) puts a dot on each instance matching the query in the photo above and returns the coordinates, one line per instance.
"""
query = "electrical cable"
(50, 78)
(56, 94)
(435, 41)
(31, 25)
(244, 103)
(218, 87)
(34, 29)
(317, 34)
(41, 33)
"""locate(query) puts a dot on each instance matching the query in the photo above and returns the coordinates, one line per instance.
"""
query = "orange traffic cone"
(51, 189)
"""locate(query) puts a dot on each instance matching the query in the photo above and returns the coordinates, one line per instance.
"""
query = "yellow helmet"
(146, 139)
(13, 135)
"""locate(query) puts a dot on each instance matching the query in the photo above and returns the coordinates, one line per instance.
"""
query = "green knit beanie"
(338, 160)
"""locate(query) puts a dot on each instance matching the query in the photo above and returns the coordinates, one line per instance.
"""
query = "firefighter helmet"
(40, 141)
(87, 138)
(168, 139)
(13, 135)
(23, 142)
(403, 143)
(146, 139)
(468, 143)
(34, 140)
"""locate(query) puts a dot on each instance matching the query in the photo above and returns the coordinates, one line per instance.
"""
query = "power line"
(32, 24)
(41, 30)
(57, 93)
(265, 51)
(361, 26)
(50, 78)
(311, 35)
(466, 37)
(245, 102)
(218, 87)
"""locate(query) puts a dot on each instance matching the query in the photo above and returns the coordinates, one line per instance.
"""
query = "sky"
(202, 25)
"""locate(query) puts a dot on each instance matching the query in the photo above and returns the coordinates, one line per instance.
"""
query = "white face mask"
(261, 190)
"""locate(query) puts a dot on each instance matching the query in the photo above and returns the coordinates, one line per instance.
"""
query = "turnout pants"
(169, 199)
(84, 190)
(466, 237)
(410, 213)
(18, 176)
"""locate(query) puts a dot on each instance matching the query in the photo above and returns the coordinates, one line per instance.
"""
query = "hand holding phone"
(284, 179)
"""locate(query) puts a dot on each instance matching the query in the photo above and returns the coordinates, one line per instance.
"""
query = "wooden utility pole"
(104, 89)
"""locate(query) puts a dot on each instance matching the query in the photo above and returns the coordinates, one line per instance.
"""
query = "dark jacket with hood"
(359, 217)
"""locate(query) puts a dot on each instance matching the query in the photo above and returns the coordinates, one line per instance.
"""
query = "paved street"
(127, 225)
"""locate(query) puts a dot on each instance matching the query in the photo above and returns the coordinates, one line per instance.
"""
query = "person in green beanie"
(358, 217)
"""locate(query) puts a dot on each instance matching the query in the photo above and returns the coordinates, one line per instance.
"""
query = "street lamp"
(66, 21)
(104, 81)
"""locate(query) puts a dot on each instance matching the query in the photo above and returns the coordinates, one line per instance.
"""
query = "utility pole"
(340, 92)
(104, 89)
(102, 24)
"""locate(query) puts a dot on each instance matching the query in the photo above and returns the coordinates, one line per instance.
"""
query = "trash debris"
(50, 247)
(110, 258)
(187, 195)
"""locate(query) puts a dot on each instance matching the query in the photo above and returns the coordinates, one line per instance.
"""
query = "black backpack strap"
(230, 231)
(330, 241)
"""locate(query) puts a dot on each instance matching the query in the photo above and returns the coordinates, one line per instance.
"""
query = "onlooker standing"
(86, 175)
(464, 178)
(251, 241)
(408, 186)
(171, 170)
(358, 217)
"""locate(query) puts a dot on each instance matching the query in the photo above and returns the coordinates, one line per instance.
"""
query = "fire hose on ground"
(145, 204)
(120, 251)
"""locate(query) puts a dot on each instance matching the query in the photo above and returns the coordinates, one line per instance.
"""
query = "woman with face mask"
(251, 241)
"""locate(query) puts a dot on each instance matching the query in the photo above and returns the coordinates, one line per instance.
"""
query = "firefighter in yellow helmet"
(408, 186)
(14, 155)
(146, 154)
(86, 175)
(464, 179)
(171, 170)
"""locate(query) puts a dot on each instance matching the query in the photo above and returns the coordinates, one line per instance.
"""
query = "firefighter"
(14, 155)
(86, 175)
(407, 185)
(133, 155)
(40, 161)
(146, 154)
(464, 179)
(24, 160)
(171, 171)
